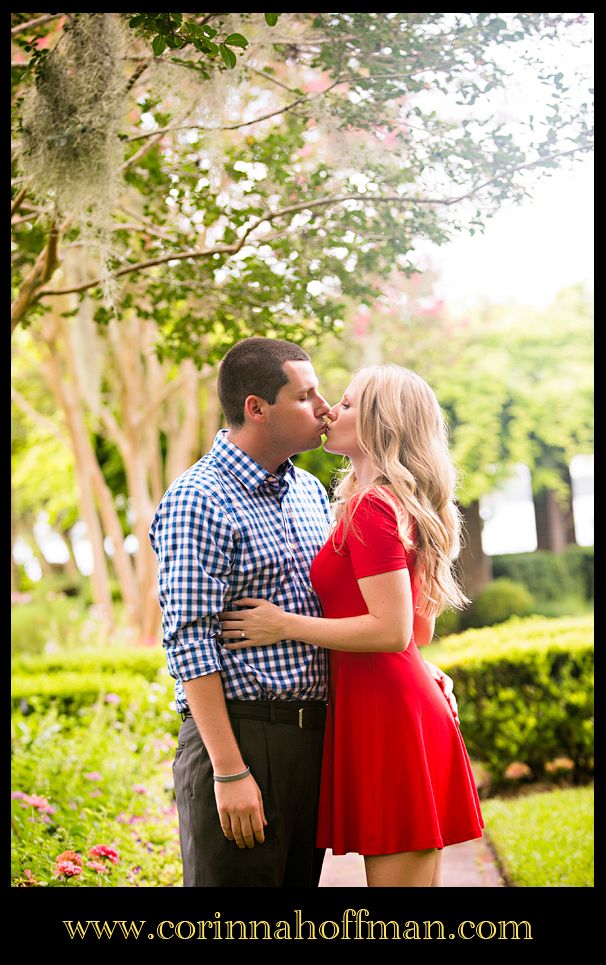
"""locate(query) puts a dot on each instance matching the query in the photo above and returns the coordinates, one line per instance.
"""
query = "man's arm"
(193, 539)
(239, 803)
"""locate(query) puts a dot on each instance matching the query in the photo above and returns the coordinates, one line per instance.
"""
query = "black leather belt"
(302, 713)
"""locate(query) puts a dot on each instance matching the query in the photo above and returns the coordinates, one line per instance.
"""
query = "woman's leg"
(408, 869)
(437, 880)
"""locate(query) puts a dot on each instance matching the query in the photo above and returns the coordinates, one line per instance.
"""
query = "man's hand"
(241, 813)
(447, 685)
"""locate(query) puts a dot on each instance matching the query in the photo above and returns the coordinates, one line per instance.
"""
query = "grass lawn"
(544, 840)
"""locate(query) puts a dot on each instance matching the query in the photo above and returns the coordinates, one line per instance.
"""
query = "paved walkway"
(467, 865)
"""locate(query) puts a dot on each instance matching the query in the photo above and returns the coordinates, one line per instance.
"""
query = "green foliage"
(324, 465)
(448, 622)
(498, 601)
(175, 32)
(53, 621)
(549, 576)
(574, 606)
(544, 840)
(525, 692)
(370, 94)
(58, 616)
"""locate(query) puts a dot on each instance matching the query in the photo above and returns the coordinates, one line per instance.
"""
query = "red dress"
(395, 773)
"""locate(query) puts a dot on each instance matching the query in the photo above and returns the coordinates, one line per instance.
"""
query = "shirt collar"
(241, 465)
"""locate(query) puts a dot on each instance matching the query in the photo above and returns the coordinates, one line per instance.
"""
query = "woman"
(396, 785)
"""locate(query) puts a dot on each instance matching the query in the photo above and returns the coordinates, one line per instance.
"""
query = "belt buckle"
(301, 717)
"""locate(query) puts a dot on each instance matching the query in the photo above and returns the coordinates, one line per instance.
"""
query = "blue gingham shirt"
(225, 529)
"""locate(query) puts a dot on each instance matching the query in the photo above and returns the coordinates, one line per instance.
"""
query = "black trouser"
(285, 761)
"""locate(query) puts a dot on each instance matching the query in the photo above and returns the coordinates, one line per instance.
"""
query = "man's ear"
(255, 408)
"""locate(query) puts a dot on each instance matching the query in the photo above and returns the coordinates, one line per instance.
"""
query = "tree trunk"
(212, 415)
(183, 445)
(85, 461)
(554, 521)
(14, 567)
(475, 567)
(121, 561)
(137, 440)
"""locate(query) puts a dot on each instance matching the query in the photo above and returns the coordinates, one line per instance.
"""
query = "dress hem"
(442, 843)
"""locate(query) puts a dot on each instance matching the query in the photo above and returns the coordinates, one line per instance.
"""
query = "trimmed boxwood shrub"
(69, 691)
(549, 576)
(147, 663)
(498, 601)
(525, 693)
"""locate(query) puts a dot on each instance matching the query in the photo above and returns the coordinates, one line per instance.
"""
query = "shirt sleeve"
(372, 539)
(192, 538)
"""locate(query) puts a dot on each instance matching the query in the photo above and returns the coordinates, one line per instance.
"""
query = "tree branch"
(147, 222)
(231, 127)
(169, 389)
(307, 205)
(155, 137)
(16, 204)
(44, 266)
(265, 76)
(36, 22)
(37, 417)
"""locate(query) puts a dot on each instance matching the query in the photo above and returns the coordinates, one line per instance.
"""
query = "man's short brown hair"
(254, 366)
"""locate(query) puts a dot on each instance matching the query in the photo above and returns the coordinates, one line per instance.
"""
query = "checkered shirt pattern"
(225, 529)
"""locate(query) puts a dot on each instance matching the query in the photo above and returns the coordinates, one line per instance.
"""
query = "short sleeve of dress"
(373, 541)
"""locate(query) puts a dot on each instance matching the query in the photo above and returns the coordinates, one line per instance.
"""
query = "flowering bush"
(81, 816)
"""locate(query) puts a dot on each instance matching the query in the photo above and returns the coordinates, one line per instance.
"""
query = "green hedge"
(147, 663)
(498, 601)
(69, 691)
(549, 576)
(525, 692)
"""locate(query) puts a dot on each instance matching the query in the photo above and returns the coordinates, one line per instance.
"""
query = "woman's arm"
(386, 627)
(423, 629)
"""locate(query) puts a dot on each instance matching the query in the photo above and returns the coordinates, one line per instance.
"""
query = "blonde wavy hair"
(400, 427)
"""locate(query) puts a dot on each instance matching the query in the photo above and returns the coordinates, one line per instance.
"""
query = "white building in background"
(508, 513)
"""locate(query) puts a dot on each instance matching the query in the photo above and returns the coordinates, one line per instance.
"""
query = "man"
(243, 521)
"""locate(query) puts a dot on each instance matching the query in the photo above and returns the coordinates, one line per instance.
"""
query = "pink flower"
(74, 856)
(139, 789)
(17, 794)
(67, 869)
(112, 699)
(517, 770)
(95, 792)
(93, 776)
(97, 866)
(29, 881)
(361, 322)
(39, 802)
(103, 851)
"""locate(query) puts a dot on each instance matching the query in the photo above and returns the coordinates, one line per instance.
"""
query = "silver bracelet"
(231, 777)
